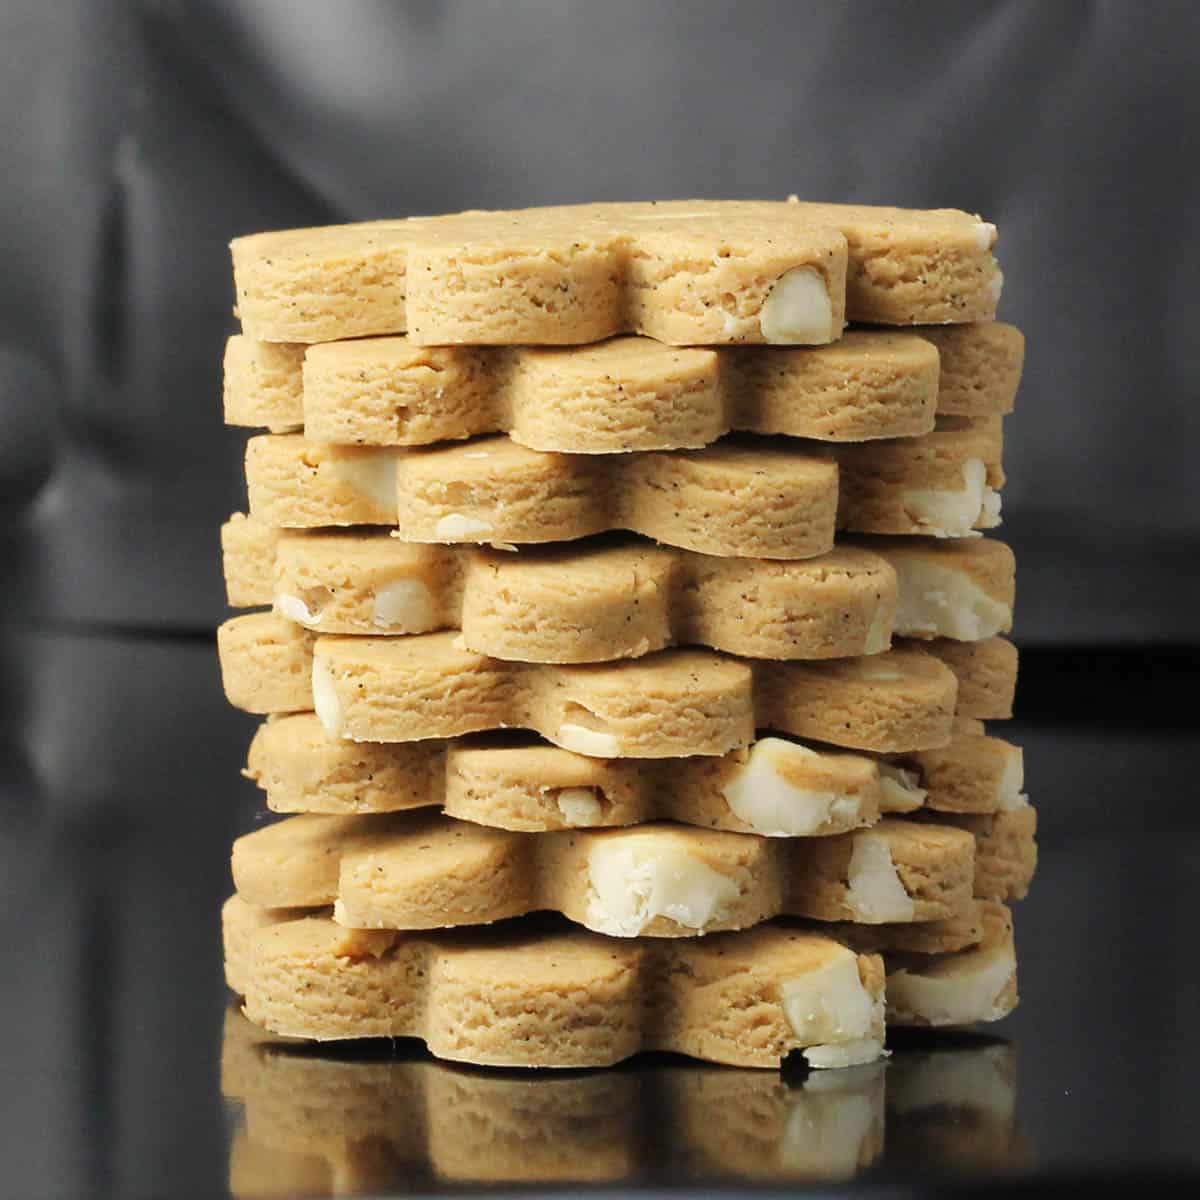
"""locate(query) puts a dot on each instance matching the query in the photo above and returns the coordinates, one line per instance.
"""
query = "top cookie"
(684, 272)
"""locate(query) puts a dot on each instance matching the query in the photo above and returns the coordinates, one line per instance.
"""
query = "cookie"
(689, 272)
(584, 602)
(774, 788)
(961, 988)
(406, 871)
(1006, 850)
(986, 672)
(266, 663)
(957, 932)
(621, 597)
(623, 395)
(945, 484)
(262, 384)
(958, 588)
(981, 367)
(521, 995)
(972, 773)
(913, 267)
(669, 704)
(376, 1123)
(746, 499)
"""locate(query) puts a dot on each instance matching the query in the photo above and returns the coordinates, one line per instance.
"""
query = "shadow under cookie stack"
(596, 737)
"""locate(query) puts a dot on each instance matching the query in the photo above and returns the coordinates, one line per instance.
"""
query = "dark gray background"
(138, 138)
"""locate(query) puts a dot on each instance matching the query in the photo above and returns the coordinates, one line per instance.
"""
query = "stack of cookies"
(627, 632)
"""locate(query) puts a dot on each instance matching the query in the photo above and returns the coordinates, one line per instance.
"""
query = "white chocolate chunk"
(878, 672)
(404, 606)
(761, 794)
(953, 514)
(459, 528)
(879, 635)
(955, 989)
(996, 285)
(900, 790)
(985, 235)
(990, 509)
(939, 601)
(798, 311)
(874, 892)
(294, 609)
(830, 1004)
(325, 700)
(371, 474)
(595, 743)
(845, 1054)
(632, 882)
(1009, 791)
(580, 806)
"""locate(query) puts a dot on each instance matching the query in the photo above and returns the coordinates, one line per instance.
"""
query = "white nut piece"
(946, 514)
(833, 1014)
(879, 635)
(404, 606)
(845, 1054)
(798, 310)
(456, 527)
(632, 881)
(938, 601)
(996, 285)
(294, 609)
(372, 475)
(956, 989)
(900, 790)
(579, 807)
(762, 795)
(325, 701)
(595, 743)
(1010, 793)
(984, 233)
(875, 892)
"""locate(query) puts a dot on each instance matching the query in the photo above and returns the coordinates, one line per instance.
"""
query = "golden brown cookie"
(957, 932)
(687, 272)
(958, 588)
(753, 499)
(910, 267)
(961, 988)
(986, 672)
(945, 484)
(775, 787)
(666, 705)
(1006, 851)
(517, 995)
(973, 773)
(622, 395)
(981, 367)
(407, 871)
(583, 602)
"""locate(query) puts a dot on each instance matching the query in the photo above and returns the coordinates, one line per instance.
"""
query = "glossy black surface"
(121, 794)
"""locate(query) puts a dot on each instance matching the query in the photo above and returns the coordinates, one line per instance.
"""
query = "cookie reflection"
(315, 1122)
(951, 1105)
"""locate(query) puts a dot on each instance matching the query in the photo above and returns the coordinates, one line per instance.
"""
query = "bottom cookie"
(520, 995)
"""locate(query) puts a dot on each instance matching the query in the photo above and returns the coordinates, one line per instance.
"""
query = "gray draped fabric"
(138, 138)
